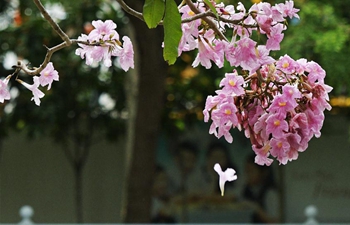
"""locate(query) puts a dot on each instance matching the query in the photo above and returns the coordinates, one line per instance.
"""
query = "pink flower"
(102, 53)
(103, 31)
(4, 93)
(299, 125)
(228, 175)
(255, 111)
(315, 120)
(232, 84)
(219, 48)
(288, 9)
(281, 105)
(85, 51)
(226, 112)
(126, 57)
(291, 91)
(105, 44)
(264, 23)
(294, 142)
(212, 129)
(286, 64)
(276, 15)
(262, 154)
(210, 103)
(263, 56)
(301, 66)
(279, 149)
(320, 97)
(245, 54)
(48, 75)
(224, 130)
(188, 41)
(37, 94)
(316, 73)
(275, 37)
(205, 54)
(260, 126)
(276, 125)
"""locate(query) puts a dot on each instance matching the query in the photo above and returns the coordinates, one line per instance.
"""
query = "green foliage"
(322, 35)
(212, 8)
(153, 12)
(172, 31)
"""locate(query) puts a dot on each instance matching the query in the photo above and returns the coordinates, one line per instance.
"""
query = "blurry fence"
(27, 212)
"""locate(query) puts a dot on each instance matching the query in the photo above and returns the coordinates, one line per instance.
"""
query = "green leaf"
(172, 31)
(153, 12)
(212, 8)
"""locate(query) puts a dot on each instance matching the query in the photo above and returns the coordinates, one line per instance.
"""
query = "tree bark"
(145, 120)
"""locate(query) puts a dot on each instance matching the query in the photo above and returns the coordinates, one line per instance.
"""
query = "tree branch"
(129, 10)
(198, 16)
(209, 21)
(53, 24)
(67, 42)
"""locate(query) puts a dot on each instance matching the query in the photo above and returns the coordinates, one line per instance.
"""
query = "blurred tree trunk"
(145, 105)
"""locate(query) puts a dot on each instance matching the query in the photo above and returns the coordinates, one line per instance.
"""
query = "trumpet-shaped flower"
(103, 30)
(275, 37)
(276, 125)
(4, 92)
(126, 58)
(286, 64)
(37, 94)
(281, 104)
(205, 54)
(291, 92)
(287, 9)
(316, 73)
(227, 175)
(279, 149)
(232, 84)
(262, 153)
(48, 75)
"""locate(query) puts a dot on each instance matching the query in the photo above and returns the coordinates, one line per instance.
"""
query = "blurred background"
(107, 146)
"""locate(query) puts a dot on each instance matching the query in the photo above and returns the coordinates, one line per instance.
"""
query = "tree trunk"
(145, 120)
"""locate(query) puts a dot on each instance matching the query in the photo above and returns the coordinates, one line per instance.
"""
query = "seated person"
(260, 192)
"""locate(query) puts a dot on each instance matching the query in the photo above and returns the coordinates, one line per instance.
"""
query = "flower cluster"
(241, 50)
(278, 103)
(102, 43)
(280, 107)
(47, 76)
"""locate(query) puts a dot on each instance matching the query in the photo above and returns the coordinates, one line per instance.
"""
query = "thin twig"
(20, 64)
(50, 51)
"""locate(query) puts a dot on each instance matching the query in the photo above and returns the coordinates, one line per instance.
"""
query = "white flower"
(228, 175)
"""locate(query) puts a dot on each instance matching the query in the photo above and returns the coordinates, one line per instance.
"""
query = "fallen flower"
(228, 175)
